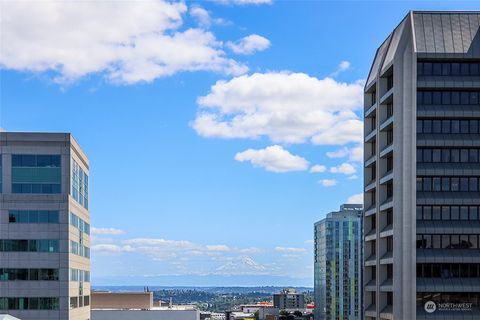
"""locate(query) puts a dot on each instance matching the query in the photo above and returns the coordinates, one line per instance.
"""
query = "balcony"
(370, 210)
(387, 124)
(371, 311)
(371, 110)
(387, 231)
(371, 160)
(387, 204)
(387, 97)
(387, 258)
(372, 134)
(371, 285)
(387, 285)
(387, 177)
(371, 235)
(387, 312)
(386, 150)
(370, 185)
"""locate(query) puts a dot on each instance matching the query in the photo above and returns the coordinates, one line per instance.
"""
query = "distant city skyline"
(218, 132)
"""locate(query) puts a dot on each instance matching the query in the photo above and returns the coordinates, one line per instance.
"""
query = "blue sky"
(203, 122)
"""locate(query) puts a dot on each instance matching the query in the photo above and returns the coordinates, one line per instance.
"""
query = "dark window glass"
(463, 184)
(419, 213)
(455, 184)
(474, 70)
(427, 155)
(473, 184)
(455, 212)
(463, 213)
(427, 213)
(436, 126)
(437, 69)
(445, 155)
(473, 155)
(464, 155)
(445, 213)
(464, 98)
(446, 69)
(427, 184)
(445, 126)
(464, 126)
(419, 126)
(436, 213)
(436, 155)
(437, 98)
(455, 126)
(455, 155)
(473, 213)
(420, 68)
(427, 68)
(445, 184)
(455, 69)
(419, 155)
(455, 97)
(427, 97)
(464, 69)
(446, 98)
(473, 97)
(436, 184)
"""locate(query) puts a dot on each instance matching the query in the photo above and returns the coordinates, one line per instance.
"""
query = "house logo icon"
(430, 306)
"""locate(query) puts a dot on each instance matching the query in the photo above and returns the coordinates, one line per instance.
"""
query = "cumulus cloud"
(126, 41)
(343, 66)
(328, 182)
(290, 249)
(353, 177)
(218, 247)
(249, 45)
(274, 159)
(318, 169)
(285, 107)
(244, 2)
(107, 231)
(356, 199)
(203, 17)
(354, 154)
(344, 168)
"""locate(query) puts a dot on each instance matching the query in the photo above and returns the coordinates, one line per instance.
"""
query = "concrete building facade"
(289, 299)
(421, 192)
(338, 263)
(44, 227)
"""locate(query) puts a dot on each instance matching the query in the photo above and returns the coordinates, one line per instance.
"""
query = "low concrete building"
(289, 299)
(138, 306)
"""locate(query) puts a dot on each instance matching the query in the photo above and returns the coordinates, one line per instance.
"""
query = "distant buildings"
(137, 306)
(338, 264)
(422, 170)
(44, 227)
(289, 299)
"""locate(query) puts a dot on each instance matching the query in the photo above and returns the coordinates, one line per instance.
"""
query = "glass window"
(446, 69)
(427, 184)
(437, 97)
(455, 97)
(464, 97)
(463, 213)
(464, 155)
(419, 126)
(446, 126)
(446, 98)
(427, 97)
(436, 213)
(455, 184)
(436, 155)
(427, 155)
(464, 184)
(473, 213)
(455, 69)
(427, 213)
(427, 68)
(437, 126)
(455, 126)
(455, 213)
(473, 155)
(419, 155)
(464, 128)
(419, 213)
(445, 155)
(437, 69)
(427, 126)
(445, 213)
(436, 184)
(455, 155)
(473, 184)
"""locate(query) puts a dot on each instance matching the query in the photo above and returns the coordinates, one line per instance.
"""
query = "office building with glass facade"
(44, 227)
(422, 170)
(338, 260)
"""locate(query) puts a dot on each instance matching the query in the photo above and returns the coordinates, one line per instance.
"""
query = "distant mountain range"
(216, 290)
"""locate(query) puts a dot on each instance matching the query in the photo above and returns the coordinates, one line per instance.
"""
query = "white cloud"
(328, 182)
(244, 2)
(219, 247)
(107, 231)
(290, 250)
(274, 159)
(318, 169)
(203, 17)
(343, 66)
(107, 248)
(126, 41)
(353, 177)
(344, 168)
(354, 154)
(286, 107)
(309, 241)
(356, 199)
(249, 44)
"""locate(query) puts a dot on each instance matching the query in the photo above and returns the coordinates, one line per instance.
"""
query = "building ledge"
(387, 312)
(387, 285)
(369, 136)
(387, 231)
(387, 124)
(371, 285)
(370, 110)
(371, 185)
(370, 161)
(387, 258)
(371, 311)
(387, 177)
(448, 285)
(371, 210)
(371, 260)
(448, 256)
(448, 227)
(387, 204)
(386, 151)
(387, 97)
(372, 235)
